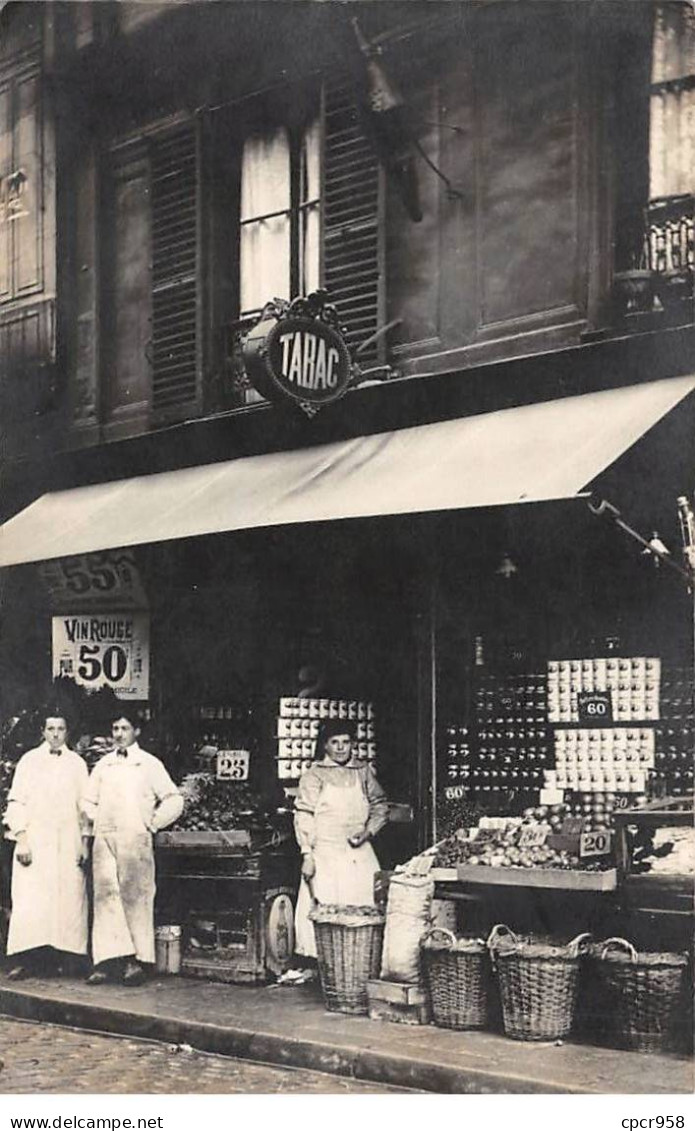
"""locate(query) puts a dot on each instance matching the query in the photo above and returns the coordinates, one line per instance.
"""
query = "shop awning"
(526, 454)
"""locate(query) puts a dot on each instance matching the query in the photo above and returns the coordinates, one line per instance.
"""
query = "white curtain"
(310, 214)
(672, 126)
(265, 243)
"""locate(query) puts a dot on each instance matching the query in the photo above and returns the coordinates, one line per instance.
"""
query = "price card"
(233, 765)
(455, 792)
(531, 836)
(595, 707)
(595, 844)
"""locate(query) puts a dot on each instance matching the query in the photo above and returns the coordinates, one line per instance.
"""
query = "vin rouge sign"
(297, 352)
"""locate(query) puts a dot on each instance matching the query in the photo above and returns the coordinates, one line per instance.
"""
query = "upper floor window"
(279, 223)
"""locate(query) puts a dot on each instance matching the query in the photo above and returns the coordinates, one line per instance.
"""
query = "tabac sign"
(297, 352)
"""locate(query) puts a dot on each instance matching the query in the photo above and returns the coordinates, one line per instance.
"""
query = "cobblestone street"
(39, 1058)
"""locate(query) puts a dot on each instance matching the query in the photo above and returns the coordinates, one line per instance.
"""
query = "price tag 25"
(233, 765)
(595, 844)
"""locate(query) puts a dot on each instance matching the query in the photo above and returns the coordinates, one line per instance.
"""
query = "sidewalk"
(289, 1026)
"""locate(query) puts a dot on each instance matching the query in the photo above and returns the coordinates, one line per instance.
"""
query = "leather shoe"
(97, 978)
(133, 975)
(17, 973)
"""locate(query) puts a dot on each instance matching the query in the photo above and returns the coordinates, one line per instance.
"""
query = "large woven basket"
(537, 984)
(646, 992)
(348, 945)
(458, 978)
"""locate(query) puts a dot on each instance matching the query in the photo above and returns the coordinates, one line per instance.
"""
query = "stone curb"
(271, 1048)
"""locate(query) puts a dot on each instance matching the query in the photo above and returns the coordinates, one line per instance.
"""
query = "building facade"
(498, 199)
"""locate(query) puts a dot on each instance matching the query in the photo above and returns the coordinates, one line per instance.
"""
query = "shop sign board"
(233, 765)
(109, 579)
(104, 650)
(297, 352)
(595, 707)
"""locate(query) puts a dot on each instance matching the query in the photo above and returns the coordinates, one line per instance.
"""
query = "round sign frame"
(278, 349)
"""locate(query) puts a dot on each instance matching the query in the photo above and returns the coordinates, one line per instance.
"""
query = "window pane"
(265, 243)
(310, 215)
(265, 262)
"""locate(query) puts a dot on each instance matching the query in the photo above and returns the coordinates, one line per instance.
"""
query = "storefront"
(447, 587)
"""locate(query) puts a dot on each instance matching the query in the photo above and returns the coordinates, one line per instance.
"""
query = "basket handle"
(620, 943)
(500, 929)
(575, 946)
(449, 935)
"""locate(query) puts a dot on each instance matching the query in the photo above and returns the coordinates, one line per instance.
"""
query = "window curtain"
(310, 213)
(265, 243)
(672, 132)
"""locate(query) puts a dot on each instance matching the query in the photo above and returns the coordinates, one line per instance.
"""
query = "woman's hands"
(23, 851)
(358, 839)
(308, 866)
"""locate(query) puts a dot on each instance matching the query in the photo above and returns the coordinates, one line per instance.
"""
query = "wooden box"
(398, 1002)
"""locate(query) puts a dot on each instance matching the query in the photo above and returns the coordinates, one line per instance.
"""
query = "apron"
(344, 875)
(124, 889)
(49, 897)
(123, 866)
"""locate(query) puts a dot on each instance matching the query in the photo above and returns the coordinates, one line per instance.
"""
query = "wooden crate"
(560, 878)
(397, 1002)
(222, 839)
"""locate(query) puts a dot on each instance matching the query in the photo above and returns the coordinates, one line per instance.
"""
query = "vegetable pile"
(517, 842)
(211, 805)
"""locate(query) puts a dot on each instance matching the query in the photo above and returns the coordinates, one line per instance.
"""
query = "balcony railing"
(661, 279)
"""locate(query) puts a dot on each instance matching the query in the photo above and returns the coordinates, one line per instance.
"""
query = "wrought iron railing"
(669, 244)
(662, 271)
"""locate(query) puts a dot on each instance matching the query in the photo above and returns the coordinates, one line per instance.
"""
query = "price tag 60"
(595, 844)
(232, 765)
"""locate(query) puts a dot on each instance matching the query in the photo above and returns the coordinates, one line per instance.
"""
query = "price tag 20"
(233, 765)
(531, 836)
(595, 844)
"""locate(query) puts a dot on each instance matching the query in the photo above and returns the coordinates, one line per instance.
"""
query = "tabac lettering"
(308, 362)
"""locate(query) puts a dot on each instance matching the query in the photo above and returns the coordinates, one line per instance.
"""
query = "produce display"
(544, 837)
(212, 806)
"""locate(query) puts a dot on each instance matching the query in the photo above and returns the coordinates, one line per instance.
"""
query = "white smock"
(130, 796)
(49, 896)
(344, 875)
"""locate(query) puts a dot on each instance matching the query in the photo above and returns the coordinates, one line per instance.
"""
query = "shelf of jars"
(569, 751)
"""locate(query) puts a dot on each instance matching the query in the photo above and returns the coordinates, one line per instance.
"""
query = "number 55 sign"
(105, 650)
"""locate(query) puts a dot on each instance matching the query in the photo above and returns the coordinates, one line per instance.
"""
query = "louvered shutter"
(175, 330)
(351, 222)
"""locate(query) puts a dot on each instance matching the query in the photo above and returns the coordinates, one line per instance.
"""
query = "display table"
(233, 893)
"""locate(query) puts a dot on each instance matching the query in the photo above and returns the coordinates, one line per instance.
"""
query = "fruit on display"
(211, 805)
(533, 840)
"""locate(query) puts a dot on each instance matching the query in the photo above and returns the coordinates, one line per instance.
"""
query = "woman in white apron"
(339, 807)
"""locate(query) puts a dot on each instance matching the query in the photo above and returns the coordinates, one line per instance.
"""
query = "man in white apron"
(130, 796)
(49, 898)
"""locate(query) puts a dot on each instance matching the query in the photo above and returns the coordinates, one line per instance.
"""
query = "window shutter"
(351, 230)
(175, 330)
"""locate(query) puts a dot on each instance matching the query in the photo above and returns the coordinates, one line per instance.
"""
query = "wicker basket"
(348, 945)
(458, 977)
(646, 991)
(537, 984)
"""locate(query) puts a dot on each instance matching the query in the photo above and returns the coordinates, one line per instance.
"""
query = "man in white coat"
(130, 796)
(44, 818)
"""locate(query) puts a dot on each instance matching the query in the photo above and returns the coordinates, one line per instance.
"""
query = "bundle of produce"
(217, 805)
(535, 840)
